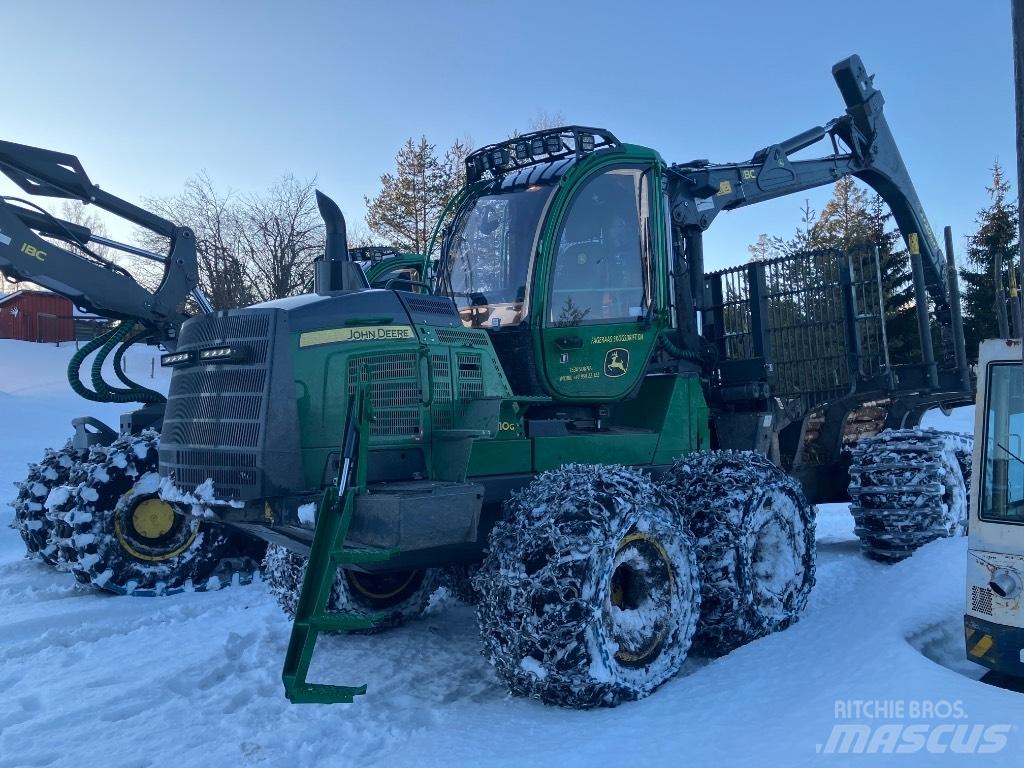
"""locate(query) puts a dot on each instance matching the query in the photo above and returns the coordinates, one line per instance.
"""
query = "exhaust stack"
(335, 271)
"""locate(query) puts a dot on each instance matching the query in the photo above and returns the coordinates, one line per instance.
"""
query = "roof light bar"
(535, 148)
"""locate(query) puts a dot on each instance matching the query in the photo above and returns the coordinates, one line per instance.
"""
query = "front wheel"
(127, 540)
(589, 592)
(393, 598)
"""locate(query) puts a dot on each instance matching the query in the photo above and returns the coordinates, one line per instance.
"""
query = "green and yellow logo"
(616, 362)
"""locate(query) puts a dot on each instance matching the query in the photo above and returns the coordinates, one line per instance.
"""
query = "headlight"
(221, 355)
(175, 358)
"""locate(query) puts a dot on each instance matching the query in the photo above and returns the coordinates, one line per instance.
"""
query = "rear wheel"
(909, 487)
(394, 597)
(589, 592)
(755, 531)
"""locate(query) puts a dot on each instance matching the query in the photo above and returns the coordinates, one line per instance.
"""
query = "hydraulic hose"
(104, 392)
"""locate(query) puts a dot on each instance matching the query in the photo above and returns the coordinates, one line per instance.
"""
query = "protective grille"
(394, 392)
(461, 336)
(441, 411)
(816, 320)
(471, 382)
(431, 305)
(981, 600)
(214, 420)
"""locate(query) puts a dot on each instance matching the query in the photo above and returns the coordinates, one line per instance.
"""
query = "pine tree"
(897, 283)
(996, 236)
(412, 198)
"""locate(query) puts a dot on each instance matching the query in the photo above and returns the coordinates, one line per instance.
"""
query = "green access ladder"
(327, 554)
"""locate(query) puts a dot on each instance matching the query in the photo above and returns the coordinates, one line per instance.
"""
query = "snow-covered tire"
(458, 579)
(909, 487)
(756, 546)
(128, 541)
(589, 591)
(31, 517)
(393, 598)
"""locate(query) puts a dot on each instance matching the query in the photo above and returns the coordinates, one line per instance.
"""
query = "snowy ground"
(193, 680)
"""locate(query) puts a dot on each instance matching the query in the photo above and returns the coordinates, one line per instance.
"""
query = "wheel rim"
(639, 596)
(152, 518)
(384, 590)
(149, 529)
(777, 552)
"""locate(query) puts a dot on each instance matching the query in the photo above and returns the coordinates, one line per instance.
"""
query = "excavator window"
(601, 272)
(490, 250)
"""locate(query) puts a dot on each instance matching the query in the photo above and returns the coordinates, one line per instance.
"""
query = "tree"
(897, 283)
(996, 236)
(412, 198)
(280, 233)
(214, 218)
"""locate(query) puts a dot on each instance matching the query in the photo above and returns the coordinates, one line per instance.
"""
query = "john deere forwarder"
(595, 441)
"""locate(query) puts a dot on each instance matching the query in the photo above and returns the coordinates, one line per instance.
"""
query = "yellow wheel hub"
(153, 518)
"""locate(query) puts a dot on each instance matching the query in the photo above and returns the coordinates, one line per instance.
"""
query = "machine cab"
(558, 259)
(994, 619)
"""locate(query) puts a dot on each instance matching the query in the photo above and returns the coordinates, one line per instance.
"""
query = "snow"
(307, 514)
(194, 679)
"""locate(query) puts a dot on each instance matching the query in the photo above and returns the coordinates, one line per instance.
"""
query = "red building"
(36, 316)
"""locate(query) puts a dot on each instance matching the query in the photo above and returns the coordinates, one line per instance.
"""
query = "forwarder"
(610, 441)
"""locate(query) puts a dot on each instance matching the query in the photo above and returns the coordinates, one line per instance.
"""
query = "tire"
(128, 541)
(909, 487)
(394, 598)
(458, 579)
(589, 588)
(755, 536)
(41, 490)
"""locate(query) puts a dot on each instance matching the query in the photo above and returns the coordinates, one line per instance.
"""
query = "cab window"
(601, 272)
(400, 279)
(1002, 490)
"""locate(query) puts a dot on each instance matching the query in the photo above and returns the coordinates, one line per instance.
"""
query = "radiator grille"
(461, 336)
(433, 305)
(471, 381)
(441, 411)
(394, 392)
(213, 426)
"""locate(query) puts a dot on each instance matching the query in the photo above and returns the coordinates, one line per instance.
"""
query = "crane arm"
(89, 280)
(700, 190)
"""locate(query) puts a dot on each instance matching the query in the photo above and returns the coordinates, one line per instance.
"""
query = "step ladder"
(327, 554)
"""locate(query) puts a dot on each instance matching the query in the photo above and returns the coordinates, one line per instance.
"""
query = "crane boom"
(89, 280)
(700, 190)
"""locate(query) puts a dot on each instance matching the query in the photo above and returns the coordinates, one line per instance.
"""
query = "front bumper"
(995, 646)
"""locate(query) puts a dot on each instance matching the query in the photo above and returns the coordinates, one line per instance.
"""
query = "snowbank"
(194, 679)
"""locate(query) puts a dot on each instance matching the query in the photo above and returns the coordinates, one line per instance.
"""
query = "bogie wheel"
(32, 518)
(127, 540)
(755, 533)
(589, 591)
(909, 487)
(458, 579)
(393, 598)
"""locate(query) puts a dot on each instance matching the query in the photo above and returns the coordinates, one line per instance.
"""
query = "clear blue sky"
(147, 94)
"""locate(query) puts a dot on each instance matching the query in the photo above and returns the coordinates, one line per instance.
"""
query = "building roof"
(8, 296)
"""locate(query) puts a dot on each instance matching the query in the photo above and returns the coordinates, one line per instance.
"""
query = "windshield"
(1002, 496)
(489, 255)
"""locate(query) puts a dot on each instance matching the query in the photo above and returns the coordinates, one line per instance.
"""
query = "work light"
(175, 358)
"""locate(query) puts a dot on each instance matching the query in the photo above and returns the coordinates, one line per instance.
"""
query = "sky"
(148, 94)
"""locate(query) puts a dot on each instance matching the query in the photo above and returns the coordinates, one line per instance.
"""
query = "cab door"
(596, 330)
